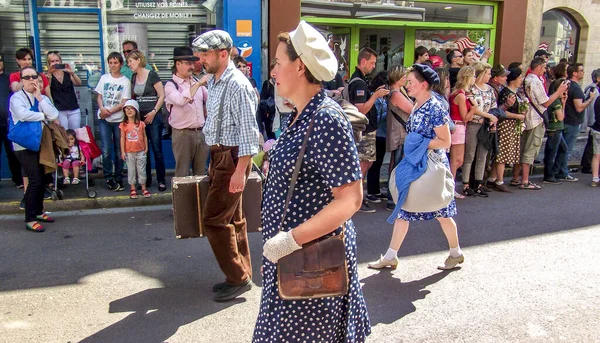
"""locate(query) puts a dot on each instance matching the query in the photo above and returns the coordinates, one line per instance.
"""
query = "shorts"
(595, 141)
(531, 142)
(366, 147)
(459, 135)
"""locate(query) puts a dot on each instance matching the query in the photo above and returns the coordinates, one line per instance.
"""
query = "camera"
(59, 66)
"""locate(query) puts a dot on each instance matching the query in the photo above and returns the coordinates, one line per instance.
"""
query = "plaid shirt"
(534, 88)
(239, 127)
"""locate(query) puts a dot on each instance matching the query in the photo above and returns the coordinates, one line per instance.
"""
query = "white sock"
(596, 179)
(491, 179)
(499, 183)
(391, 254)
(455, 252)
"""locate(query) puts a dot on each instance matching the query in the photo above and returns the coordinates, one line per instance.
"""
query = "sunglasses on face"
(29, 77)
(127, 51)
(53, 52)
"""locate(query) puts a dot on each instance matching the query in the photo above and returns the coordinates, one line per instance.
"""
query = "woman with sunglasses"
(62, 86)
(29, 105)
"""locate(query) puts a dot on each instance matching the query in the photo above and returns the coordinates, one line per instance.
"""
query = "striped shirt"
(239, 127)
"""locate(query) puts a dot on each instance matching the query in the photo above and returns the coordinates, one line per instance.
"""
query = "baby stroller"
(90, 151)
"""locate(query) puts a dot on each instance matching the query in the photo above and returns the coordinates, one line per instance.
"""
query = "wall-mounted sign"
(243, 28)
(245, 49)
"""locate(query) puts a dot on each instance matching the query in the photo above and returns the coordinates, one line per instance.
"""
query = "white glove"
(279, 246)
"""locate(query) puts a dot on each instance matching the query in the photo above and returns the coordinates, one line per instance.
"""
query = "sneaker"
(112, 185)
(229, 292)
(503, 188)
(76, 181)
(365, 208)
(22, 204)
(384, 263)
(569, 178)
(468, 191)
(595, 183)
(551, 181)
(390, 207)
(490, 184)
(67, 181)
(20, 185)
(373, 198)
(119, 187)
(47, 195)
(451, 262)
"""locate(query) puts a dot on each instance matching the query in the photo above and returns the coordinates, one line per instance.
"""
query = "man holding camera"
(531, 140)
(574, 109)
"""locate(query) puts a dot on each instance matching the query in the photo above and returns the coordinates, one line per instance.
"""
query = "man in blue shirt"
(13, 163)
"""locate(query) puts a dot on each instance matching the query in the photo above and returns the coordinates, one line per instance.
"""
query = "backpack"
(346, 90)
(589, 114)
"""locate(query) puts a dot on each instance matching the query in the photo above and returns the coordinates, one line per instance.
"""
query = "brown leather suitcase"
(189, 197)
(187, 206)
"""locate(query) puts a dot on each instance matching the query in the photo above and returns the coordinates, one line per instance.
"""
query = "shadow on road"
(390, 299)
(158, 314)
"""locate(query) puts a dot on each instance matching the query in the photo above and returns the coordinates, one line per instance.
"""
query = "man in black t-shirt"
(361, 97)
(13, 163)
(457, 61)
(574, 109)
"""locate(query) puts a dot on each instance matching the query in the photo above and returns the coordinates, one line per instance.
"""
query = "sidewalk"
(75, 197)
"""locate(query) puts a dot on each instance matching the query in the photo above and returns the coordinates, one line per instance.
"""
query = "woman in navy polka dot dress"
(430, 120)
(327, 193)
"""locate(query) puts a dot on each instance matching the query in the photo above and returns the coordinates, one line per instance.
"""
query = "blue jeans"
(397, 156)
(555, 156)
(570, 133)
(154, 134)
(110, 134)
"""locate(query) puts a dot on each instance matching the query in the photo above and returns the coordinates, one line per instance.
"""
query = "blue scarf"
(412, 166)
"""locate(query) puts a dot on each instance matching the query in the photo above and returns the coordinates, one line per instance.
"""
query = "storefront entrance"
(394, 28)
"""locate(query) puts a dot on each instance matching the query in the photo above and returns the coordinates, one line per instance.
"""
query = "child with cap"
(134, 147)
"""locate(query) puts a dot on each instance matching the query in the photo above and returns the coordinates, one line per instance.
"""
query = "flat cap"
(212, 40)
(499, 70)
(428, 74)
(314, 52)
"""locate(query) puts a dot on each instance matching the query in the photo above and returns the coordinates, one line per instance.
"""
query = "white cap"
(133, 104)
(314, 52)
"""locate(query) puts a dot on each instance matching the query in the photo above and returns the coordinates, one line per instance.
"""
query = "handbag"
(544, 115)
(319, 269)
(432, 191)
(27, 134)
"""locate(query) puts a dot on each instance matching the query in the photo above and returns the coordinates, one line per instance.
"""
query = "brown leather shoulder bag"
(319, 269)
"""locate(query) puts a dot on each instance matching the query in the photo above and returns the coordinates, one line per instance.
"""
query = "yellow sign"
(243, 28)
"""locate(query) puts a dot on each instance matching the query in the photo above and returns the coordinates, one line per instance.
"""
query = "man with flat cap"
(186, 101)
(232, 135)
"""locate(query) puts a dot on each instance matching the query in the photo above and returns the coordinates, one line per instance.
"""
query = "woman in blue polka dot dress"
(430, 120)
(327, 193)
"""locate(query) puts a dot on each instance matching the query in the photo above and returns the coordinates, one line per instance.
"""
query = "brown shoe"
(503, 188)
(451, 262)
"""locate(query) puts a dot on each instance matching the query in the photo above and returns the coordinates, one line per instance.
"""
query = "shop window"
(399, 10)
(440, 42)
(560, 34)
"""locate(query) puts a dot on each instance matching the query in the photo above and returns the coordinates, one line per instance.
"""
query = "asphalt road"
(531, 275)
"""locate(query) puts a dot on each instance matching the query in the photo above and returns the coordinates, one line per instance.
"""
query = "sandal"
(515, 183)
(146, 193)
(45, 218)
(162, 187)
(468, 191)
(133, 194)
(35, 227)
(530, 185)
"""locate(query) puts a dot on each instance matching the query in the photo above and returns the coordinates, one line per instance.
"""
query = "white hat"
(314, 52)
(133, 104)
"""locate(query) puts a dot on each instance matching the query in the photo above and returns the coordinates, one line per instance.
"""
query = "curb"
(95, 203)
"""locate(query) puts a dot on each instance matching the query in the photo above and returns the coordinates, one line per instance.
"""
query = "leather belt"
(191, 128)
(459, 122)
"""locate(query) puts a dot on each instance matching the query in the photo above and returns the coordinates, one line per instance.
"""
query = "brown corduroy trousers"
(224, 221)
